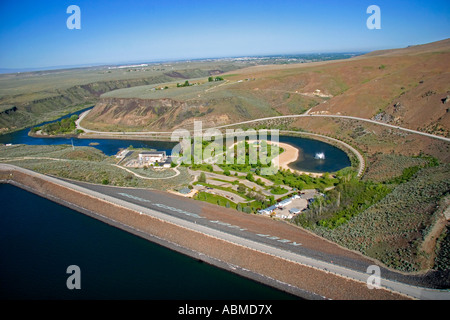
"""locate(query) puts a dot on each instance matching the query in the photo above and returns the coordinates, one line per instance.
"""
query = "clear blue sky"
(34, 33)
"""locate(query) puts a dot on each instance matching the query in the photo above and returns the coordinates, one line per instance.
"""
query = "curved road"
(357, 153)
(410, 290)
(263, 119)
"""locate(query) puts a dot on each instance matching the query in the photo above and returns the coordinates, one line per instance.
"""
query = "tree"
(241, 188)
(210, 79)
(202, 177)
(259, 197)
(271, 200)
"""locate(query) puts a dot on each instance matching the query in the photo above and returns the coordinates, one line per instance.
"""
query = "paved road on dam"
(190, 213)
(256, 232)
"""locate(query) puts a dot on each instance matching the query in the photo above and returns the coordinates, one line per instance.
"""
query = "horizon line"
(6, 70)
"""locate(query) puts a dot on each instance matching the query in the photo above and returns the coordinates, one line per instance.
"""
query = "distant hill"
(442, 45)
(409, 87)
(30, 98)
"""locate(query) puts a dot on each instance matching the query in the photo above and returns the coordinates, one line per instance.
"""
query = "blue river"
(335, 158)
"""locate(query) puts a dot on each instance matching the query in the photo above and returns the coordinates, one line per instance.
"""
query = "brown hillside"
(407, 90)
(437, 46)
(407, 87)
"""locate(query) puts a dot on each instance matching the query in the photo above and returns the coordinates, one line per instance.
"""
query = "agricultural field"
(167, 90)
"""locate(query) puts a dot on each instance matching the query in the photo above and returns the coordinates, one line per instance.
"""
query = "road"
(183, 213)
(342, 117)
(307, 114)
(265, 119)
(177, 172)
(356, 152)
(247, 183)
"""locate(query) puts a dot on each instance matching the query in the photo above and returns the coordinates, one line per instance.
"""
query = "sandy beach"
(289, 155)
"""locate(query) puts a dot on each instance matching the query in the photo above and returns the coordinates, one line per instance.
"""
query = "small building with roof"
(152, 157)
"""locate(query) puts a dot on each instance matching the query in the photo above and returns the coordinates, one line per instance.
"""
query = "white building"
(268, 210)
(151, 157)
(284, 203)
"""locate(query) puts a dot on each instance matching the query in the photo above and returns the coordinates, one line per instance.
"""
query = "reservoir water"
(39, 239)
(335, 158)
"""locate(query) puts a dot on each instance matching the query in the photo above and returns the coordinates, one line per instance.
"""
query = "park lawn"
(214, 199)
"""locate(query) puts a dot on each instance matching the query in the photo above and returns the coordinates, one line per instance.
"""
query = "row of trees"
(212, 79)
(185, 84)
(342, 203)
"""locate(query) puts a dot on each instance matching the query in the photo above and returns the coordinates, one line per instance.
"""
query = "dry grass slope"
(406, 87)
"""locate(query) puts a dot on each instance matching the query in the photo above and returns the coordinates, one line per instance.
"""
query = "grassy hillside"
(86, 164)
(35, 97)
(148, 108)
(406, 87)
(399, 223)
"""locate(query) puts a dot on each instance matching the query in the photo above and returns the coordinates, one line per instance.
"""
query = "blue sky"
(34, 33)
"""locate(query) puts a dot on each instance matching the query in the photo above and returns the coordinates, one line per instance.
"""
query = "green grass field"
(215, 199)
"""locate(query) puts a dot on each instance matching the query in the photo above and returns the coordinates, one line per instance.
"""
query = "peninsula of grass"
(87, 164)
(65, 126)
